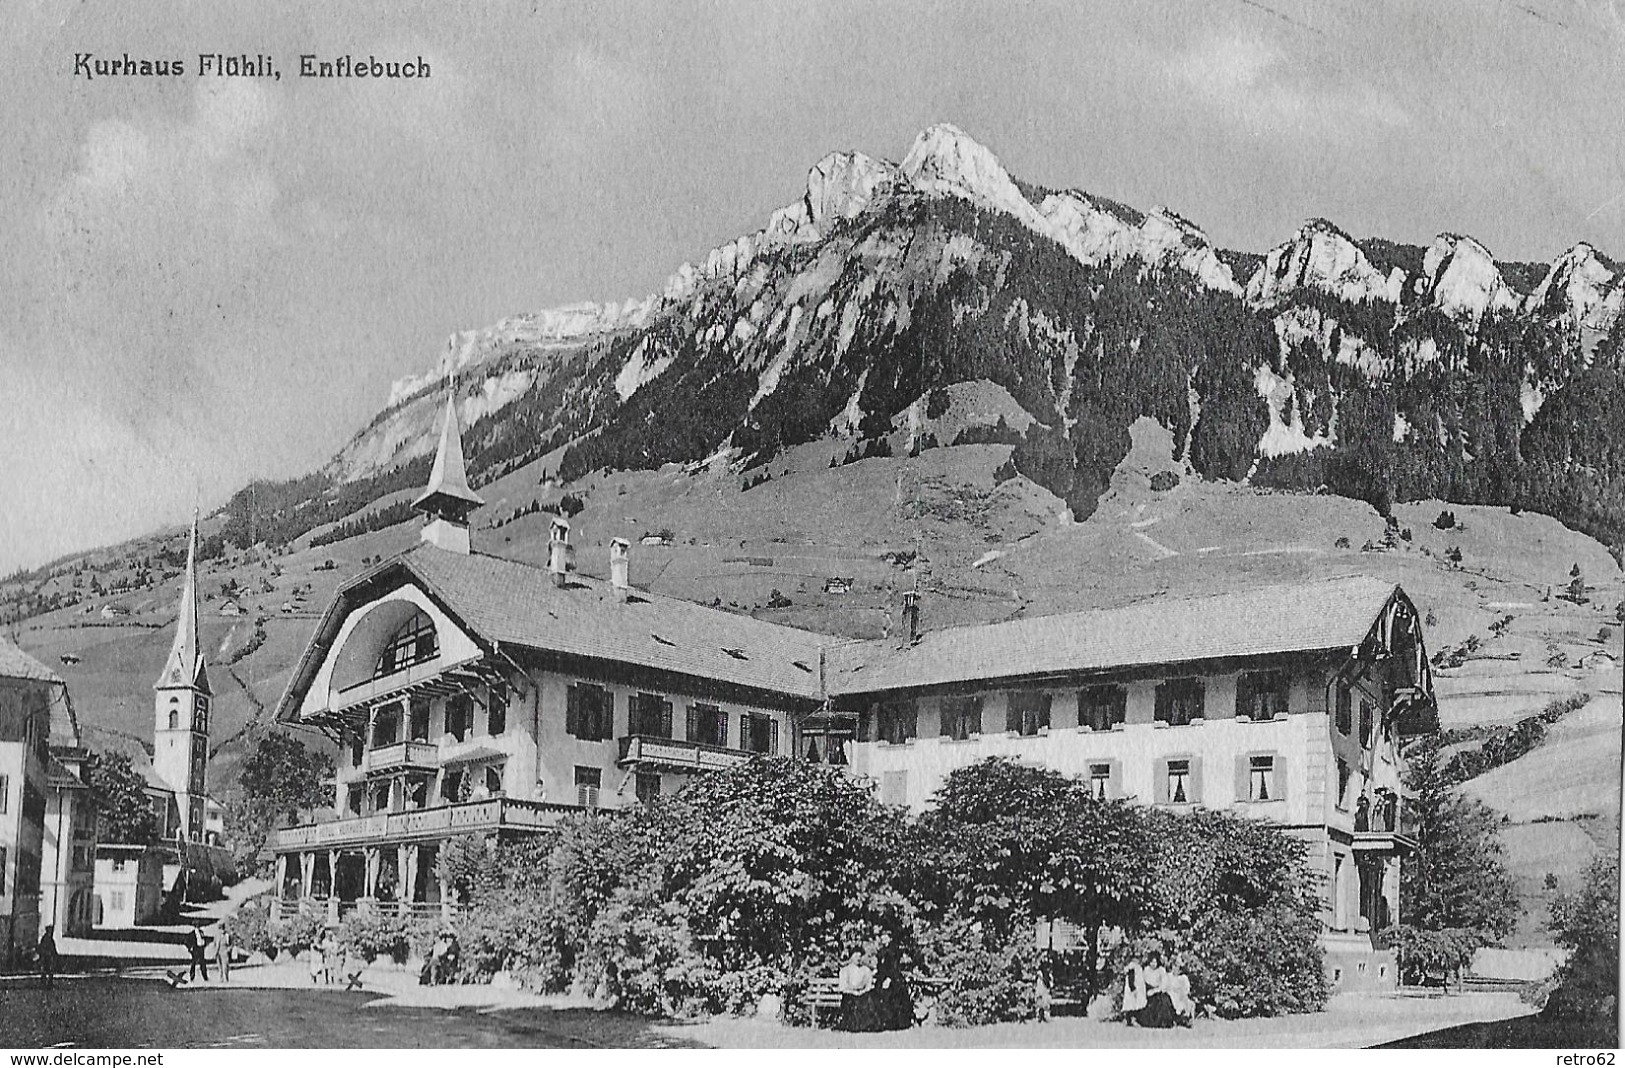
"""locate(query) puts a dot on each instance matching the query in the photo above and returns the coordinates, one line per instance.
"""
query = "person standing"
(1041, 995)
(222, 952)
(46, 950)
(200, 962)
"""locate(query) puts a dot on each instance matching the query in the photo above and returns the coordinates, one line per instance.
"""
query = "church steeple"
(180, 735)
(184, 667)
(448, 500)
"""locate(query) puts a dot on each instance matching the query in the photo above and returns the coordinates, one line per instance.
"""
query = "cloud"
(1253, 83)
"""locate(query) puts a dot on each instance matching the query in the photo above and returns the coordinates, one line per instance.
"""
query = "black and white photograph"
(827, 525)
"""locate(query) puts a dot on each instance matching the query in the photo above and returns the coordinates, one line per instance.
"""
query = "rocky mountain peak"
(1460, 278)
(1582, 288)
(1319, 256)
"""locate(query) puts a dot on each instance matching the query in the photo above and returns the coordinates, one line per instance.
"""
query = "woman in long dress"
(1178, 986)
(1159, 1006)
(856, 982)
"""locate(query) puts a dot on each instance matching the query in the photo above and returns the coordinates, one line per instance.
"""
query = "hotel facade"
(469, 694)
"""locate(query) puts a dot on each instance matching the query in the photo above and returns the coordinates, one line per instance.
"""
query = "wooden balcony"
(648, 752)
(441, 821)
(402, 756)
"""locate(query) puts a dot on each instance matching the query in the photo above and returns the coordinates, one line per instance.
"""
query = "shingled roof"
(518, 604)
(1330, 614)
(16, 664)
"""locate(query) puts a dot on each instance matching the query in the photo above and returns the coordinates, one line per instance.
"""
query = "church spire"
(184, 667)
(448, 500)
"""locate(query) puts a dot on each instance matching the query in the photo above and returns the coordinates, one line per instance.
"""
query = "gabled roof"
(16, 664)
(503, 602)
(1330, 614)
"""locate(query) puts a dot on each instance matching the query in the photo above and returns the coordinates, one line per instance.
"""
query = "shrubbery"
(755, 880)
(250, 927)
(371, 934)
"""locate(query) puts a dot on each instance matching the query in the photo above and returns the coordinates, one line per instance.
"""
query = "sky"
(207, 280)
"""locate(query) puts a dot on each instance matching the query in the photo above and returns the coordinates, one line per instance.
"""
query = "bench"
(821, 993)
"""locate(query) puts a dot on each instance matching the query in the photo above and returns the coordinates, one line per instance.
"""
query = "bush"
(250, 927)
(1163, 481)
(299, 932)
(1341, 543)
(988, 982)
(1423, 953)
(371, 934)
(1445, 520)
(1587, 922)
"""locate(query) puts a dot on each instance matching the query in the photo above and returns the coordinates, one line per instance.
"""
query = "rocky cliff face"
(888, 281)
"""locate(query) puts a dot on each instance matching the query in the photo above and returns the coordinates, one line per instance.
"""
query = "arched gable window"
(174, 713)
(413, 643)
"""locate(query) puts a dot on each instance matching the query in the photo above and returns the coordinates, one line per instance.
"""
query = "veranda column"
(307, 873)
(333, 886)
(281, 882)
(407, 870)
(373, 857)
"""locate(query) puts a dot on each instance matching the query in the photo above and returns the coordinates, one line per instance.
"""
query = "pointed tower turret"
(181, 708)
(448, 501)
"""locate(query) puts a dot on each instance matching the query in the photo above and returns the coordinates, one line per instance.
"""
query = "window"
(2, 869)
(386, 726)
(589, 713)
(419, 720)
(1343, 777)
(417, 793)
(459, 716)
(1262, 694)
(648, 786)
(5, 794)
(759, 733)
(588, 783)
(1261, 778)
(496, 716)
(354, 800)
(1180, 788)
(1102, 707)
(1368, 719)
(1179, 701)
(1100, 781)
(1026, 712)
(707, 725)
(357, 745)
(174, 717)
(897, 722)
(380, 797)
(118, 900)
(1345, 709)
(414, 643)
(200, 713)
(650, 714)
(493, 780)
(455, 786)
(961, 717)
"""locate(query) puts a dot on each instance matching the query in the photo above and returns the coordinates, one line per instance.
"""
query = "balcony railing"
(674, 754)
(403, 756)
(441, 821)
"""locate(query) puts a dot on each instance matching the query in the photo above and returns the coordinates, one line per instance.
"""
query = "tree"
(1019, 843)
(1456, 882)
(1587, 923)
(277, 780)
(123, 812)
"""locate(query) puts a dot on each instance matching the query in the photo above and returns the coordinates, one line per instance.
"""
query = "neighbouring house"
(129, 885)
(230, 608)
(475, 695)
(113, 611)
(27, 691)
(838, 585)
(68, 658)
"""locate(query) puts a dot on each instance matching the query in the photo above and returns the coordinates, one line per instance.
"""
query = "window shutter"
(665, 719)
(692, 733)
(1160, 769)
(773, 739)
(1244, 777)
(572, 711)
(1193, 783)
(744, 730)
(1278, 785)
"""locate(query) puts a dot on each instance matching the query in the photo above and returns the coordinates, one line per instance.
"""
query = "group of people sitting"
(874, 998)
(1157, 996)
(440, 965)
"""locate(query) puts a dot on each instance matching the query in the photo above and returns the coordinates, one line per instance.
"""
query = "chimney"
(558, 550)
(911, 616)
(620, 565)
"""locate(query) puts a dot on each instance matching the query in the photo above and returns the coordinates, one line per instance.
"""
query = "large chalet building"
(473, 694)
